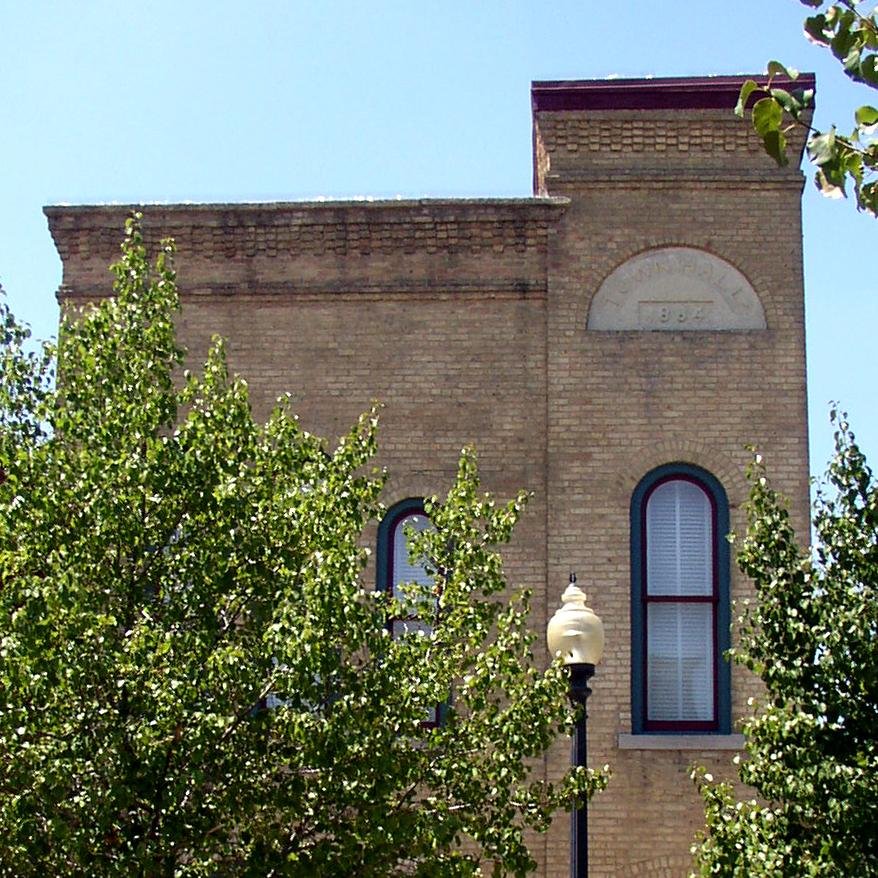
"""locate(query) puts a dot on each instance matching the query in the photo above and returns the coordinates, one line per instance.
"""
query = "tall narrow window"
(395, 567)
(402, 569)
(680, 602)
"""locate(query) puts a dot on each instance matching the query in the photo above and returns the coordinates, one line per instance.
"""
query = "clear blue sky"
(222, 101)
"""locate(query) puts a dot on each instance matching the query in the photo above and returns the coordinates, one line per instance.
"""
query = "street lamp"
(577, 634)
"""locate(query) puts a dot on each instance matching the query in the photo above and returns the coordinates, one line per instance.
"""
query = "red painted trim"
(676, 93)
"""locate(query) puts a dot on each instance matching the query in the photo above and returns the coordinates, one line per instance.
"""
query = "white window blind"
(679, 634)
(679, 540)
(403, 569)
(680, 662)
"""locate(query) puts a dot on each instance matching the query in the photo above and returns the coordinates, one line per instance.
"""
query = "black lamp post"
(577, 634)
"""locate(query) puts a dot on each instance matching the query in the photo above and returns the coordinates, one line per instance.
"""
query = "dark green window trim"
(384, 566)
(722, 635)
(384, 557)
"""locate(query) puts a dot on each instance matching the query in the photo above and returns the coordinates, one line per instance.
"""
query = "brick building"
(610, 344)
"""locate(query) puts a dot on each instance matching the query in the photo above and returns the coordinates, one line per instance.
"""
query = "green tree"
(812, 637)
(852, 37)
(195, 678)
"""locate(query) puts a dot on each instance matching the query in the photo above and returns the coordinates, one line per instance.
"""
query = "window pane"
(679, 540)
(679, 664)
(403, 569)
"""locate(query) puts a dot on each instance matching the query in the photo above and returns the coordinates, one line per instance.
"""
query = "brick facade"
(467, 318)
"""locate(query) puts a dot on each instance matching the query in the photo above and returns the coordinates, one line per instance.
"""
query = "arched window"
(680, 612)
(395, 566)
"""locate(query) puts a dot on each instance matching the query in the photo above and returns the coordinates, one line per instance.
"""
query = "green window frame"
(701, 611)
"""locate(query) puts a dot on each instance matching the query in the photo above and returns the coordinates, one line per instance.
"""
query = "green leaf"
(869, 70)
(767, 116)
(866, 116)
(805, 97)
(821, 147)
(747, 89)
(854, 167)
(775, 68)
(788, 100)
(827, 186)
(843, 43)
(815, 30)
(775, 144)
(868, 198)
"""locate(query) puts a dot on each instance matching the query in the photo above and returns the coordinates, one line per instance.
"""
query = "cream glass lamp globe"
(575, 631)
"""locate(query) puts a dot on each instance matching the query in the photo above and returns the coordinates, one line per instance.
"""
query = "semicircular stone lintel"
(676, 288)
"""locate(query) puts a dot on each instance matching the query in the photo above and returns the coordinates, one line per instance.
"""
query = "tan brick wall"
(622, 403)
(467, 319)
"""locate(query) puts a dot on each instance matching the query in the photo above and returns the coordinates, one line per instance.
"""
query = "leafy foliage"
(812, 753)
(852, 37)
(195, 679)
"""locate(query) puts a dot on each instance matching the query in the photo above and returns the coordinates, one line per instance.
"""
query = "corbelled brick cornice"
(311, 245)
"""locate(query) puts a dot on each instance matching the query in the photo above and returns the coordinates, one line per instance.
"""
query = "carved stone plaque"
(676, 288)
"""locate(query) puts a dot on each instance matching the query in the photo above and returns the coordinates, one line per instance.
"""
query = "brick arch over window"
(680, 606)
(676, 289)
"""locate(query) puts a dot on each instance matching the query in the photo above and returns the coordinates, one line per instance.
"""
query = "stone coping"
(525, 204)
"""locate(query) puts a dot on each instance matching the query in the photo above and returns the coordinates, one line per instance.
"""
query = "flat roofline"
(665, 93)
(316, 205)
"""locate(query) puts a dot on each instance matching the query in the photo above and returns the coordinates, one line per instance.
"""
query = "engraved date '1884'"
(673, 315)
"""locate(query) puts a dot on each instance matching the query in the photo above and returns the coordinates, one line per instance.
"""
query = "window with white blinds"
(679, 539)
(396, 567)
(404, 570)
(680, 605)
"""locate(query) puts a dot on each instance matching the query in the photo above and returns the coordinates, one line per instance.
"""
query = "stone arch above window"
(676, 288)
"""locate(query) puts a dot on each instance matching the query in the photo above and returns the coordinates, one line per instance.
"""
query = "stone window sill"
(681, 742)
